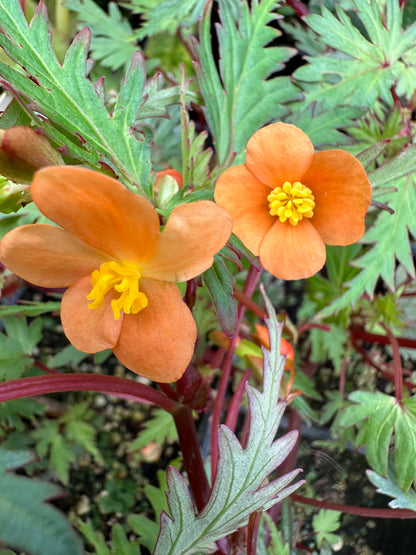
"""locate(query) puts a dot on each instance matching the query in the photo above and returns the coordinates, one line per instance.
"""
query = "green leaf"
(146, 529)
(113, 42)
(362, 63)
(160, 428)
(17, 346)
(389, 486)
(324, 523)
(165, 15)
(77, 118)
(389, 240)
(383, 420)
(324, 126)
(239, 488)
(220, 283)
(29, 308)
(38, 528)
(240, 99)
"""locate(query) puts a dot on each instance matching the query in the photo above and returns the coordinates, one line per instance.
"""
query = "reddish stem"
(194, 465)
(252, 533)
(397, 366)
(251, 282)
(250, 304)
(357, 332)
(310, 326)
(353, 510)
(298, 7)
(111, 385)
(234, 408)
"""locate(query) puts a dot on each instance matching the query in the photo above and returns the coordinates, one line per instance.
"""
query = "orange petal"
(88, 329)
(342, 195)
(279, 152)
(191, 237)
(292, 252)
(245, 198)
(98, 210)
(158, 342)
(48, 256)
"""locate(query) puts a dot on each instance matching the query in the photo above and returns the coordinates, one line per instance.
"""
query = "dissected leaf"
(68, 105)
(389, 486)
(324, 523)
(113, 42)
(362, 64)
(239, 99)
(239, 488)
(383, 420)
(17, 346)
(37, 528)
(159, 428)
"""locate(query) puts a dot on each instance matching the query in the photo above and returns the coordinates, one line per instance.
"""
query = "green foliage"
(239, 488)
(119, 496)
(77, 118)
(165, 15)
(59, 438)
(29, 308)
(324, 523)
(113, 41)
(160, 429)
(380, 419)
(239, 99)
(37, 528)
(17, 345)
(388, 486)
(362, 64)
(322, 125)
(14, 413)
(119, 545)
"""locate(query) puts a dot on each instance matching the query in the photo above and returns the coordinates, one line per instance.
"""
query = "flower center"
(292, 201)
(124, 278)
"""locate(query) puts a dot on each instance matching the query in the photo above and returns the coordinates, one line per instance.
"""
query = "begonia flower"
(287, 202)
(119, 268)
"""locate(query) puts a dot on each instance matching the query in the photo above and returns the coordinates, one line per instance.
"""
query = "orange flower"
(119, 268)
(288, 202)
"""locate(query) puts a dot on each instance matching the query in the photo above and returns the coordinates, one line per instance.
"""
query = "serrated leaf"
(238, 489)
(113, 41)
(240, 99)
(389, 240)
(324, 126)
(384, 420)
(165, 15)
(160, 428)
(38, 528)
(17, 346)
(76, 117)
(361, 65)
(389, 486)
(324, 523)
(220, 283)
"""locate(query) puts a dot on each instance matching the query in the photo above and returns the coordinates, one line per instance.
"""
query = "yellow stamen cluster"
(291, 202)
(124, 278)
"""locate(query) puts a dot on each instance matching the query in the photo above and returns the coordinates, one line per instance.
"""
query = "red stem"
(298, 7)
(357, 332)
(252, 532)
(111, 385)
(251, 282)
(194, 465)
(250, 304)
(397, 366)
(234, 408)
(353, 510)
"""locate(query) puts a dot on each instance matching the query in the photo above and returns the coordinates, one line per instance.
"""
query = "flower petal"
(193, 234)
(88, 329)
(245, 198)
(342, 195)
(292, 252)
(98, 210)
(158, 342)
(48, 256)
(279, 152)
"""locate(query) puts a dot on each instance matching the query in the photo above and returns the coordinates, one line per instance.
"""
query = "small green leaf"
(389, 486)
(324, 523)
(38, 528)
(29, 308)
(220, 283)
(160, 428)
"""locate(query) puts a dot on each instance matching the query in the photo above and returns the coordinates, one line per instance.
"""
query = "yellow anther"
(123, 278)
(291, 202)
